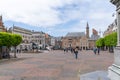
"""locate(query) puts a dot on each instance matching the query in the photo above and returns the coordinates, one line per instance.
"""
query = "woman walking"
(76, 52)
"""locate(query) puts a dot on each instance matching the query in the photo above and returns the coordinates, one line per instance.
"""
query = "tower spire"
(87, 30)
(87, 25)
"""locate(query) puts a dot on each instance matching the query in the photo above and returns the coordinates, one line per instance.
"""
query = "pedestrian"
(64, 50)
(71, 49)
(76, 52)
(98, 50)
(94, 50)
(17, 51)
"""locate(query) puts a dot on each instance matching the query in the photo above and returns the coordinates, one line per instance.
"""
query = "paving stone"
(54, 65)
(97, 75)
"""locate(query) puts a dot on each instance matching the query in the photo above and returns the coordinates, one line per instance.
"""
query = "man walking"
(98, 49)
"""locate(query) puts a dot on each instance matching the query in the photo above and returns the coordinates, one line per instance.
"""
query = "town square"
(60, 40)
(55, 65)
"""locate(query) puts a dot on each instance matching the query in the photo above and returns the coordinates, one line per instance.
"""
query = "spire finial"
(87, 25)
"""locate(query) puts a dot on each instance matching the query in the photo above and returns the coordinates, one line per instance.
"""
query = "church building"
(80, 39)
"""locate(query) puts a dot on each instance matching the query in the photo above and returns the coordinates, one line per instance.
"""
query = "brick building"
(80, 39)
(73, 39)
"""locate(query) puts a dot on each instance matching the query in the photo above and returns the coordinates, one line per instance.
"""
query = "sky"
(58, 17)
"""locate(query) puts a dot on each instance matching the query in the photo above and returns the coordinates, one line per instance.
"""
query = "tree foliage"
(5, 39)
(16, 39)
(100, 42)
(8, 40)
(111, 39)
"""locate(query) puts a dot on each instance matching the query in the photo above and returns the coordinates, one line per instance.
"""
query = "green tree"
(8, 39)
(8, 42)
(111, 40)
(100, 42)
(16, 41)
(5, 40)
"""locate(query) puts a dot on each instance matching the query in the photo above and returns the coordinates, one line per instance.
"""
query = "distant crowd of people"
(76, 50)
(73, 50)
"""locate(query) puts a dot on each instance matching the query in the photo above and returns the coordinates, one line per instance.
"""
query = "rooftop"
(75, 34)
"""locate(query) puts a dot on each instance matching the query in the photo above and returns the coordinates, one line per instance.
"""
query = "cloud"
(59, 15)
(40, 12)
(34, 12)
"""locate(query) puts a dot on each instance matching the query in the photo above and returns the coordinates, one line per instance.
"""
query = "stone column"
(114, 70)
(118, 25)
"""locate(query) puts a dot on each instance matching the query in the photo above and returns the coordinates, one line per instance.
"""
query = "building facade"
(30, 39)
(93, 39)
(52, 41)
(111, 28)
(26, 38)
(75, 39)
(2, 27)
(38, 38)
(47, 40)
(80, 39)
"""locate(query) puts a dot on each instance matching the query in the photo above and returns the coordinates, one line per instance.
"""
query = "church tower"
(87, 30)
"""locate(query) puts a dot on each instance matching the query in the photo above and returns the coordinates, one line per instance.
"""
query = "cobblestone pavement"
(54, 65)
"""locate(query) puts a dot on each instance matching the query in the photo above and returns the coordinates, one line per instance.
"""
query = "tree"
(5, 40)
(16, 41)
(8, 39)
(111, 40)
(100, 42)
(0, 47)
(8, 42)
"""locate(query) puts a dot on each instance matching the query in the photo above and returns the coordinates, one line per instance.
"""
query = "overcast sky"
(57, 17)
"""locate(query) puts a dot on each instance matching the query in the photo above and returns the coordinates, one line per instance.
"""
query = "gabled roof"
(75, 34)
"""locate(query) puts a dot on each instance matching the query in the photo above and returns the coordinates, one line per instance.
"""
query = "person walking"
(71, 50)
(94, 50)
(64, 50)
(98, 50)
(76, 52)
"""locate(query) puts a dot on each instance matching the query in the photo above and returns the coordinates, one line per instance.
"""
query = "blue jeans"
(76, 55)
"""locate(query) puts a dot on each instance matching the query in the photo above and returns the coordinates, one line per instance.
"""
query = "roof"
(20, 28)
(75, 34)
(37, 32)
